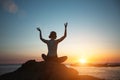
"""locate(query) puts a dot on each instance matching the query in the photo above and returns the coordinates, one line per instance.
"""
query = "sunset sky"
(93, 29)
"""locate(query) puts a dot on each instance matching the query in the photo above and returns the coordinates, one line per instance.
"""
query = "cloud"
(9, 5)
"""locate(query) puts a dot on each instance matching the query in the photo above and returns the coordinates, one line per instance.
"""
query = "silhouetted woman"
(52, 46)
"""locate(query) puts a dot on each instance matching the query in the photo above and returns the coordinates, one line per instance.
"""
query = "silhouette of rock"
(32, 70)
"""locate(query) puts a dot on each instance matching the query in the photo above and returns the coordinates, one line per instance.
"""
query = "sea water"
(107, 73)
(5, 68)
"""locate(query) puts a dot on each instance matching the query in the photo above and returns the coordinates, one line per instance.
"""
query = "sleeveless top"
(52, 47)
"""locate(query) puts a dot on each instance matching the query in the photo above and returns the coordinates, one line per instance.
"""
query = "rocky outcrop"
(32, 70)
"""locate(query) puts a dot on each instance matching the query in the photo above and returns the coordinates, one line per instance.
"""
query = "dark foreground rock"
(32, 70)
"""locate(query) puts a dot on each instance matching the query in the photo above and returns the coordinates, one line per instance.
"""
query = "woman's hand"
(38, 29)
(65, 24)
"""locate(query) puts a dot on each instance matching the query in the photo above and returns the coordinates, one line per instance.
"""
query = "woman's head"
(52, 35)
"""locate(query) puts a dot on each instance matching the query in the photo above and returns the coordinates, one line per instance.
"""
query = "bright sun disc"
(82, 60)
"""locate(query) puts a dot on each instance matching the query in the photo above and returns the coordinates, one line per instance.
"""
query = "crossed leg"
(54, 59)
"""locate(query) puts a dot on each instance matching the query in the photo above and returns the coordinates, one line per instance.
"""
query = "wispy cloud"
(9, 5)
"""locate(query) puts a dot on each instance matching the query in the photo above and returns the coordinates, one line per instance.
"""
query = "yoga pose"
(52, 46)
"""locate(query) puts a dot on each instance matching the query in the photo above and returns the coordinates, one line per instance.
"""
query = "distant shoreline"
(97, 65)
(81, 65)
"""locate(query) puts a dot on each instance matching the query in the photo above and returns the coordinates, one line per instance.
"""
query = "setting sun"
(82, 60)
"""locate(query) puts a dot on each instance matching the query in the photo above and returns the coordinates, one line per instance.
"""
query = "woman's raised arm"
(65, 33)
(45, 41)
